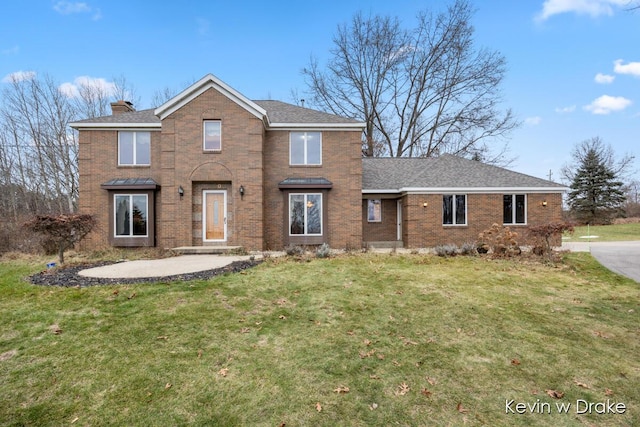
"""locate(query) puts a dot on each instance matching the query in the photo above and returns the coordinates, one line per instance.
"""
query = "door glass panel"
(216, 213)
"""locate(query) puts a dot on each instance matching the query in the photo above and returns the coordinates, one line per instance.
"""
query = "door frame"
(399, 220)
(204, 214)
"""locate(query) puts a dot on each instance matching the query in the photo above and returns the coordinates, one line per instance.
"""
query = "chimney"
(121, 107)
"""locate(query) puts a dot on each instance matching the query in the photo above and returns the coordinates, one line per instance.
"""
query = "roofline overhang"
(111, 126)
(207, 82)
(467, 190)
(320, 126)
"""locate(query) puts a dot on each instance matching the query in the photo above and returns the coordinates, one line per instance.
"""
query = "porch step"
(208, 250)
(385, 245)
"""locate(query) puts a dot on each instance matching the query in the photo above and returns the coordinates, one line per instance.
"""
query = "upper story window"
(514, 209)
(454, 209)
(212, 135)
(305, 148)
(134, 148)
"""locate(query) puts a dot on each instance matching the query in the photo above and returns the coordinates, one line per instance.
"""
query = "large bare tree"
(422, 91)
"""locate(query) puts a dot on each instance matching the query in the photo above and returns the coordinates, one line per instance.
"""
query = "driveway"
(620, 257)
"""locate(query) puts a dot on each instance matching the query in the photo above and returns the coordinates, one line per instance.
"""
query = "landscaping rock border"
(69, 277)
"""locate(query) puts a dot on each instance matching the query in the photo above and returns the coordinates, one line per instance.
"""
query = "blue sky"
(573, 65)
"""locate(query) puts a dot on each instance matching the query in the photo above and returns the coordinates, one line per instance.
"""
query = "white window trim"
(374, 220)
(115, 215)
(453, 211)
(135, 143)
(204, 148)
(306, 159)
(513, 209)
(306, 223)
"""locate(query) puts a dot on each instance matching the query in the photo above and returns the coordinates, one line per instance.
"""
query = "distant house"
(213, 168)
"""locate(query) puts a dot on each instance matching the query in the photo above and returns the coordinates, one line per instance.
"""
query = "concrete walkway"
(620, 257)
(162, 267)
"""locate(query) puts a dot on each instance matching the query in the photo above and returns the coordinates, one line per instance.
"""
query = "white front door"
(214, 216)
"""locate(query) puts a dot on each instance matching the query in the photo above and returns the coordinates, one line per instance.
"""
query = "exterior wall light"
(180, 191)
(425, 204)
(241, 189)
(544, 203)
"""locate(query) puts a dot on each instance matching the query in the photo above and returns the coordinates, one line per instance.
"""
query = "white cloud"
(604, 79)
(97, 84)
(566, 110)
(68, 8)
(632, 68)
(592, 8)
(19, 76)
(607, 104)
(533, 121)
(11, 51)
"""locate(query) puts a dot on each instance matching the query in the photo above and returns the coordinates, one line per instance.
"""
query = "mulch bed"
(69, 277)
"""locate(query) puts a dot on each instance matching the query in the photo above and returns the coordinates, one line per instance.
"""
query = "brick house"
(213, 168)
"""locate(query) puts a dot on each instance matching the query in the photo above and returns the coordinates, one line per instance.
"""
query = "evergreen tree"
(596, 193)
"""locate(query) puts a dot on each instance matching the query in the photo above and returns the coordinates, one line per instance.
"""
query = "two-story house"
(213, 168)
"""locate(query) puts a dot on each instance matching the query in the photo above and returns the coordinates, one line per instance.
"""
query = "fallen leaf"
(199, 353)
(55, 329)
(116, 292)
(402, 389)
(395, 363)
(601, 334)
(373, 406)
(381, 356)
(74, 420)
(515, 362)
(223, 372)
(258, 323)
(245, 330)
(425, 392)
(367, 342)
(318, 407)
(350, 333)
(374, 377)
(608, 392)
(461, 409)
(133, 295)
(167, 386)
(162, 337)
(555, 394)
(341, 389)
(282, 317)
(432, 381)
(579, 384)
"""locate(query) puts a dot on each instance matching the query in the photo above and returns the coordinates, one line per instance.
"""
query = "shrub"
(446, 250)
(542, 235)
(468, 249)
(294, 250)
(501, 240)
(323, 251)
(64, 230)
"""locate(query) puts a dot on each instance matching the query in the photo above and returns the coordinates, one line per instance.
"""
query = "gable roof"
(274, 114)
(446, 173)
(207, 82)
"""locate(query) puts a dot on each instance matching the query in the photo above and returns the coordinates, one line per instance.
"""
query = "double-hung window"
(134, 148)
(454, 209)
(514, 208)
(212, 131)
(131, 215)
(305, 214)
(305, 148)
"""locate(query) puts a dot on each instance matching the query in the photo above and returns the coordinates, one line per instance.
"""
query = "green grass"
(265, 347)
(608, 233)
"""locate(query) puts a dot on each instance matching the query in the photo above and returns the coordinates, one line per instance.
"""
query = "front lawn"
(607, 233)
(357, 340)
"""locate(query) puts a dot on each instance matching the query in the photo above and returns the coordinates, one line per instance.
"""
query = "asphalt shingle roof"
(277, 111)
(446, 171)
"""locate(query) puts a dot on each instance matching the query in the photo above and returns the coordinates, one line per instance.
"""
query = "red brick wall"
(383, 231)
(341, 164)
(422, 226)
